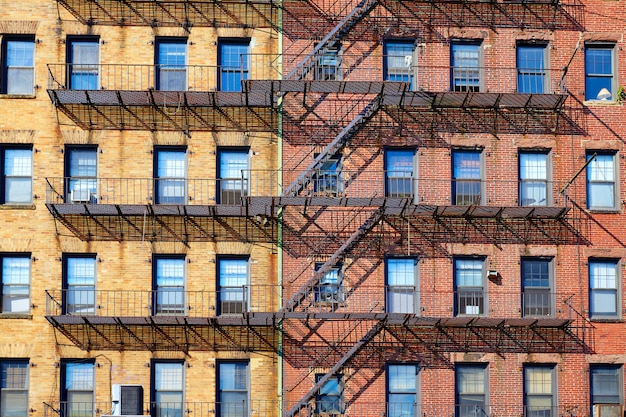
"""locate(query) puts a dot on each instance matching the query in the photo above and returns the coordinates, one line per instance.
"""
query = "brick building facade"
(298, 208)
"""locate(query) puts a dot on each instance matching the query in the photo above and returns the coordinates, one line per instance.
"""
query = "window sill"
(18, 96)
(600, 103)
(10, 316)
(604, 211)
(17, 207)
(607, 320)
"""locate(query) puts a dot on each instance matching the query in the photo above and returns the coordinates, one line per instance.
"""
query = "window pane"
(531, 69)
(234, 376)
(399, 61)
(18, 167)
(168, 376)
(598, 71)
(79, 376)
(469, 272)
(467, 176)
(171, 70)
(84, 56)
(603, 288)
(465, 71)
(605, 384)
(601, 182)
(233, 65)
(399, 172)
(16, 284)
(19, 66)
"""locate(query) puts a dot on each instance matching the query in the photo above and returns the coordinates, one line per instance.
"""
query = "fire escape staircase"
(332, 371)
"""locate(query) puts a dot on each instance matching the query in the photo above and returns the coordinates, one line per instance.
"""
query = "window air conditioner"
(608, 410)
(127, 400)
(81, 195)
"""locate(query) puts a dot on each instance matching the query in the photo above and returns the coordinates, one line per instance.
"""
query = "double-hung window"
(329, 398)
(234, 65)
(606, 389)
(171, 61)
(466, 68)
(531, 69)
(328, 65)
(467, 177)
(399, 64)
(77, 388)
(329, 289)
(604, 294)
(537, 295)
(170, 175)
(400, 169)
(534, 174)
(14, 388)
(328, 180)
(469, 287)
(471, 385)
(18, 65)
(233, 273)
(401, 277)
(539, 391)
(83, 57)
(232, 390)
(79, 283)
(81, 164)
(402, 390)
(17, 173)
(169, 284)
(233, 165)
(602, 187)
(15, 283)
(168, 388)
(600, 83)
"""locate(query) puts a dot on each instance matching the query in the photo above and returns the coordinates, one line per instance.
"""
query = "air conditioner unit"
(81, 195)
(608, 410)
(127, 400)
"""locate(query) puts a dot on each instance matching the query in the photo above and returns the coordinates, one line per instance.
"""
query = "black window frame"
(24, 255)
(3, 183)
(4, 72)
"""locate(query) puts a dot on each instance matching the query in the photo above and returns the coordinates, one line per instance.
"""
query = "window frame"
(595, 368)
(169, 309)
(5, 84)
(328, 63)
(460, 410)
(66, 285)
(392, 407)
(615, 160)
(612, 77)
(155, 408)
(232, 195)
(325, 289)
(66, 393)
(328, 180)
(527, 367)
(530, 72)
(409, 292)
(537, 295)
(469, 181)
(161, 68)
(320, 396)
(617, 265)
(523, 193)
(161, 183)
(4, 287)
(220, 403)
(389, 179)
(465, 82)
(395, 73)
(84, 68)
(4, 187)
(478, 296)
(240, 306)
(14, 391)
(91, 194)
(226, 72)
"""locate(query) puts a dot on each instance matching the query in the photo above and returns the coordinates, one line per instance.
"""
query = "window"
(327, 180)
(232, 391)
(14, 388)
(537, 294)
(531, 69)
(18, 67)
(401, 277)
(169, 284)
(234, 65)
(539, 389)
(168, 388)
(330, 286)
(604, 294)
(471, 383)
(79, 284)
(171, 60)
(606, 385)
(329, 398)
(15, 288)
(233, 165)
(601, 184)
(17, 174)
(83, 57)
(328, 66)
(402, 385)
(233, 284)
(171, 175)
(399, 62)
(466, 66)
(600, 71)
(534, 173)
(77, 388)
(468, 286)
(400, 168)
(81, 164)
(467, 177)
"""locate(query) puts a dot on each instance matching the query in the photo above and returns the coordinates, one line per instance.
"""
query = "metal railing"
(321, 183)
(317, 298)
